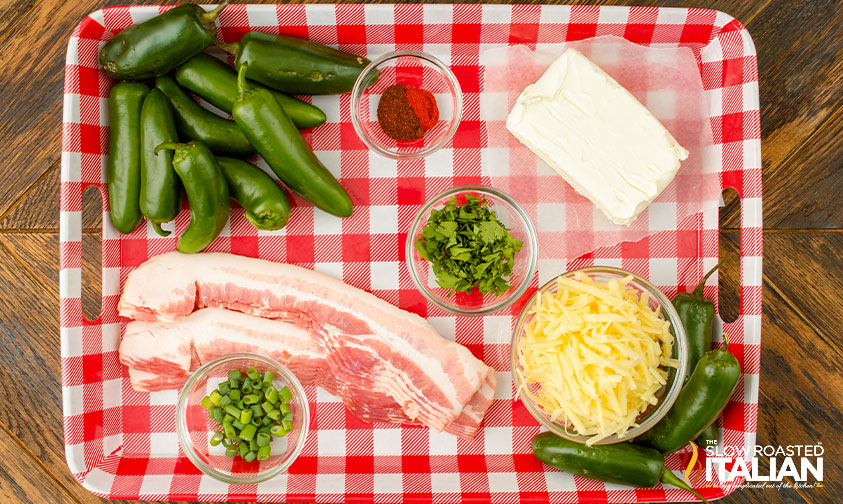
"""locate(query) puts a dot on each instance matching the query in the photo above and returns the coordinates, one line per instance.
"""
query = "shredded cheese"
(598, 354)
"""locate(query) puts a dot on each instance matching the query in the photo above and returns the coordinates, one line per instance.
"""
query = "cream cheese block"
(597, 136)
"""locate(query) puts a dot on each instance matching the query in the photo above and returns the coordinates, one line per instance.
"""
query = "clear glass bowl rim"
(357, 92)
(680, 346)
(181, 418)
(416, 225)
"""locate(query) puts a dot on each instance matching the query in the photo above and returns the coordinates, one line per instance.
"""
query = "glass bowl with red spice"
(412, 110)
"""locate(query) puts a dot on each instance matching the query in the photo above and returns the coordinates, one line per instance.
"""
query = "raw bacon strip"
(165, 353)
(369, 343)
(213, 332)
(469, 421)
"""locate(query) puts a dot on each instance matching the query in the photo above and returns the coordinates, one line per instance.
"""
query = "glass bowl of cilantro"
(472, 250)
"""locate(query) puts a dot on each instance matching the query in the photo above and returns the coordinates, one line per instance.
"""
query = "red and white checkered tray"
(122, 444)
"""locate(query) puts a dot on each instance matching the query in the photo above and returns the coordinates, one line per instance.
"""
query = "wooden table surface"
(800, 60)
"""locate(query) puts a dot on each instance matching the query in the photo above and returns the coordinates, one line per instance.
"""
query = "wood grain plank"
(32, 70)
(800, 67)
(808, 273)
(38, 254)
(11, 11)
(803, 194)
(801, 373)
(29, 364)
(22, 481)
(39, 209)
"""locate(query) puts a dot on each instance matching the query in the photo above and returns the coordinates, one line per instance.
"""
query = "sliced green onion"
(271, 394)
(285, 394)
(215, 397)
(248, 410)
(248, 432)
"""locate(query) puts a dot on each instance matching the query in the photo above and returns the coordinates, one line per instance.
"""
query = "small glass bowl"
(413, 68)
(194, 428)
(667, 394)
(520, 227)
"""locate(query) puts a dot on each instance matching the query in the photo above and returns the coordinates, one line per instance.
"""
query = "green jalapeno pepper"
(216, 82)
(708, 437)
(160, 190)
(700, 401)
(196, 123)
(622, 463)
(697, 314)
(207, 193)
(266, 205)
(123, 162)
(293, 65)
(276, 138)
(155, 47)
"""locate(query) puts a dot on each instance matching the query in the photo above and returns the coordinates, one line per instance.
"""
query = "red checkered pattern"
(122, 444)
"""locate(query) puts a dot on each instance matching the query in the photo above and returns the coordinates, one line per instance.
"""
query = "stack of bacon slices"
(384, 363)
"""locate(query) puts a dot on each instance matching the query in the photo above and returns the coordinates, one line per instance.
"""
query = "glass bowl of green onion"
(242, 418)
(472, 250)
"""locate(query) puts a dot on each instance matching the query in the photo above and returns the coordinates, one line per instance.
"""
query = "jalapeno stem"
(671, 479)
(158, 229)
(167, 146)
(698, 291)
(229, 47)
(242, 87)
(211, 16)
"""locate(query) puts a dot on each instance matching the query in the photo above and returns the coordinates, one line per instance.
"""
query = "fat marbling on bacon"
(386, 364)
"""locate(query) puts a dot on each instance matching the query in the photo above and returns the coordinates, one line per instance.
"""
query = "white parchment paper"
(666, 80)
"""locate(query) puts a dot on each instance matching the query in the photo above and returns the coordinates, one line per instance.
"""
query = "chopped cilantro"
(468, 247)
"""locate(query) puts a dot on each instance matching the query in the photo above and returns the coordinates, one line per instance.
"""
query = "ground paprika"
(406, 112)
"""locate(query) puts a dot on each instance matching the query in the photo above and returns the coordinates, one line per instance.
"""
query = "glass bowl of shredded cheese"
(598, 355)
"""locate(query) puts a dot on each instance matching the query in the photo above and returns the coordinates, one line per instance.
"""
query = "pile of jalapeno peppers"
(692, 417)
(162, 141)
